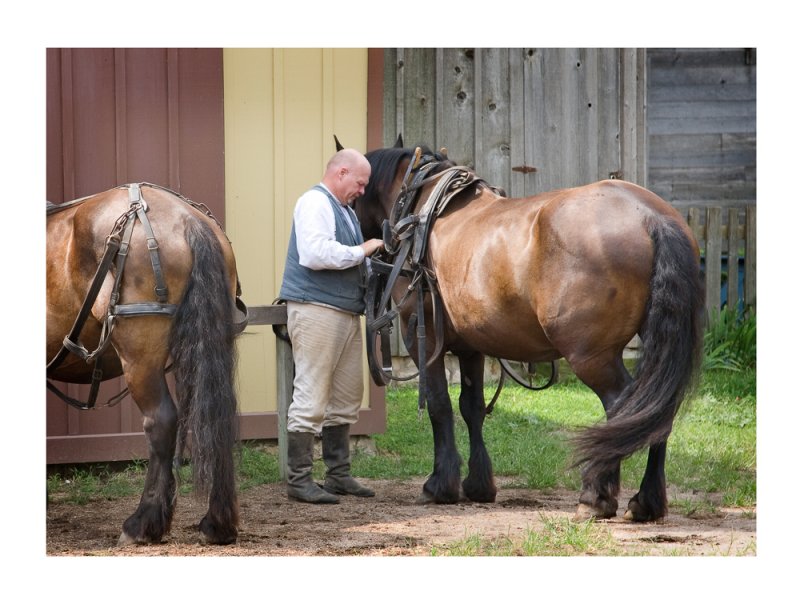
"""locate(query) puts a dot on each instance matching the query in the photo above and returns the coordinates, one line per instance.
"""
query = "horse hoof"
(425, 498)
(217, 535)
(585, 512)
(636, 518)
(636, 513)
(125, 540)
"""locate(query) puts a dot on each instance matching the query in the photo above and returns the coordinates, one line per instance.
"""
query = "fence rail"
(729, 254)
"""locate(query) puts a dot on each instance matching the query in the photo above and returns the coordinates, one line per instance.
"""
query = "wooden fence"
(727, 238)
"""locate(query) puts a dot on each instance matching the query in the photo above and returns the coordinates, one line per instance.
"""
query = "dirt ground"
(392, 524)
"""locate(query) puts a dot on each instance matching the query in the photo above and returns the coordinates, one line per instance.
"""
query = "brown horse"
(572, 273)
(120, 245)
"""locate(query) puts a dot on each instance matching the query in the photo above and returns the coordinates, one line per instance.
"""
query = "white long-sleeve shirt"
(315, 229)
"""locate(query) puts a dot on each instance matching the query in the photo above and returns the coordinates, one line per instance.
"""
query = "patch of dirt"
(391, 524)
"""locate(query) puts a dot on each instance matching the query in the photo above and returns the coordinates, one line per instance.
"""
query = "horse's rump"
(76, 242)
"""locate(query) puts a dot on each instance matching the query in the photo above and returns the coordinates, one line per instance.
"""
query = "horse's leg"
(607, 376)
(153, 517)
(650, 502)
(443, 485)
(479, 484)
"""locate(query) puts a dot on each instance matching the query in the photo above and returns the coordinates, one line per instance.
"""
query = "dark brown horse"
(572, 273)
(160, 278)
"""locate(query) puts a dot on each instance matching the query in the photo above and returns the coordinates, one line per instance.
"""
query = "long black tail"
(204, 356)
(671, 354)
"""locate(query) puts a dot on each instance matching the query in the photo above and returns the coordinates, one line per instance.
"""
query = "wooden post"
(275, 314)
(285, 375)
(750, 257)
(733, 258)
(713, 258)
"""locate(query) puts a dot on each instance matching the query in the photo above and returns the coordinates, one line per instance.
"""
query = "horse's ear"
(443, 151)
(399, 142)
(338, 143)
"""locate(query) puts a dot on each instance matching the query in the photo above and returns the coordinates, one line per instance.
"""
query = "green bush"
(730, 341)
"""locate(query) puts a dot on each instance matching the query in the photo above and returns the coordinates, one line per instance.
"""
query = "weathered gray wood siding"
(527, 119)
(680, 122)
(701, 106)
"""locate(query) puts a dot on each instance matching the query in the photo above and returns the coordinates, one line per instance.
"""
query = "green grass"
(559, 537)
(712, 448)
(81, 485)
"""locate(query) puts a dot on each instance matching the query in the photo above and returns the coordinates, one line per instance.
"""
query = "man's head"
(347, 174)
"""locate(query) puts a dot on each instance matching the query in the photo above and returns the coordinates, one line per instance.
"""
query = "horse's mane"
(384, 164)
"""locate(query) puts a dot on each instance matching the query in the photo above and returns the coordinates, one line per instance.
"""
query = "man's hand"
(372, 246)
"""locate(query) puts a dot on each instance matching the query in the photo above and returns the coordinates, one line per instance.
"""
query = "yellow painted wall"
(282, 108)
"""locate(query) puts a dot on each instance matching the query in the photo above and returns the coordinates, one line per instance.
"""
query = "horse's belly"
(502, 334)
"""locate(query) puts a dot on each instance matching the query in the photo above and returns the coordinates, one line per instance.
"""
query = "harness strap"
(410, 232)
(141, 309)
(135, 197)
(112, 246)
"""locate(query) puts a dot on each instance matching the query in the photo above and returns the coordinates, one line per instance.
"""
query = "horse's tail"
(204, 357)
(671, 354)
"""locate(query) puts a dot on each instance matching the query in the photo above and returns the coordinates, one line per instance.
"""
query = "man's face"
(354, 180)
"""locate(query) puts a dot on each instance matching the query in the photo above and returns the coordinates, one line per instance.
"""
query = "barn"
(247, 130)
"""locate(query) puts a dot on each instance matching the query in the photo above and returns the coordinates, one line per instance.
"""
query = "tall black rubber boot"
(300, 485)
(336, 454)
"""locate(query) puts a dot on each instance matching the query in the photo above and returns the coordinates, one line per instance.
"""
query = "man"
(324, 283)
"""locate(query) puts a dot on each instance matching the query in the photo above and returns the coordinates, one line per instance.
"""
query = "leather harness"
(116, 250)
(405, 237)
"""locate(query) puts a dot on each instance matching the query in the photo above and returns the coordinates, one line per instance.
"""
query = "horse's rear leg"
(650, 502)
(153, 517)
(607, 376)
(443, 485)
(479, 484)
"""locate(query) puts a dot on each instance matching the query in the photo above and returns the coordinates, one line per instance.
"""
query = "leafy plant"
(730, 341)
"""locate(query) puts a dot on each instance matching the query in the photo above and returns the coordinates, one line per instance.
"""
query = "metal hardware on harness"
(405, 237)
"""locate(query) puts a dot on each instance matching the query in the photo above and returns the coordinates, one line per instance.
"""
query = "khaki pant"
(328, 380)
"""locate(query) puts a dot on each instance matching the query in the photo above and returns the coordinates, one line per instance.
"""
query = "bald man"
(324, 283)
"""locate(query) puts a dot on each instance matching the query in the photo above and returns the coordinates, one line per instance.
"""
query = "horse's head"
(390, 168)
